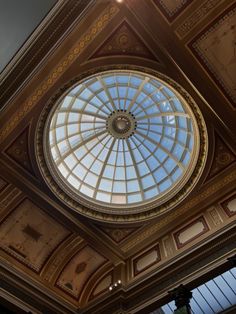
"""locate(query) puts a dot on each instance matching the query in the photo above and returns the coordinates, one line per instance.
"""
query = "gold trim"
(175, 214)
(60, 68)
(196, 17)
(142, 212)
(30, 40)
(59, 258)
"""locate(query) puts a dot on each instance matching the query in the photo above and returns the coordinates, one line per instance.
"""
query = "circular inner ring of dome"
(121, 124)
(122, 139)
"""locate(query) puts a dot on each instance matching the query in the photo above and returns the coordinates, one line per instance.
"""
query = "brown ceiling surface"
(75, 259)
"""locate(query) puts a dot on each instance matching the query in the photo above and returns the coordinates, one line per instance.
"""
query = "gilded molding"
(192, 234)
(172, 9)
(124, 41)
(216, 36)
(197, 16)
(59, 257)
(29, 42)
(175, 214)
(13, 194)
(57, 72)
(152, 261)
(168, 246)
(215, 216)
(143, 212)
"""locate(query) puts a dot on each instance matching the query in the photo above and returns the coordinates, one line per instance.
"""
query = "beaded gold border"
(59, 69)
(141, 212)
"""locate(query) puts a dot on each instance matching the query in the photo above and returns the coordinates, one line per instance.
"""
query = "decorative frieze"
(191, 232)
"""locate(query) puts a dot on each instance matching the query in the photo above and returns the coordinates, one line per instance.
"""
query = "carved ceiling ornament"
(124, 41)
(197, 16)
(118, 234)
(19, 151)
(141, 211)
(223, 157)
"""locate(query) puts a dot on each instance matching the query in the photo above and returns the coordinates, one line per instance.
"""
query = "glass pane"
(147, 157)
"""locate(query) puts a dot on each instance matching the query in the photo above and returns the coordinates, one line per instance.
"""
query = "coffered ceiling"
(65, 258)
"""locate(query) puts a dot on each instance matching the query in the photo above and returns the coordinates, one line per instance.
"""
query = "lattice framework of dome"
(124, 142)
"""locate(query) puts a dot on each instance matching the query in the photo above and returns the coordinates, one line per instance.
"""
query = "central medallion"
(121, 124)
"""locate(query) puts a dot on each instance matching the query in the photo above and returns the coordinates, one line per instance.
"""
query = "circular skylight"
(122, 139)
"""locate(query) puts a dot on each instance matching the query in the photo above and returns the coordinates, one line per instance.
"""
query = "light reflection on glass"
(122, 171)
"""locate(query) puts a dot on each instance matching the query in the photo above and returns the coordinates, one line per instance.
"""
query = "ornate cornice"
(59, 69)
(197, 16)
(205, 193)
(53, 29)
(191, 268)
(142, 212)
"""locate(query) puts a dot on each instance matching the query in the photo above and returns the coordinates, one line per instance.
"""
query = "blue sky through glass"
(139, 168)
(214, 296)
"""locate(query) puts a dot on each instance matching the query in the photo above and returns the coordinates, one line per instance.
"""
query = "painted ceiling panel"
(79, 269)
(215, 49)
(30, 235)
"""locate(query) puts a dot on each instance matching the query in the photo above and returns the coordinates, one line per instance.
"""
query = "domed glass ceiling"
(123, 138)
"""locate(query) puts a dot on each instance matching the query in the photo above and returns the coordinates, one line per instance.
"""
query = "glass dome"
(122, 139)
